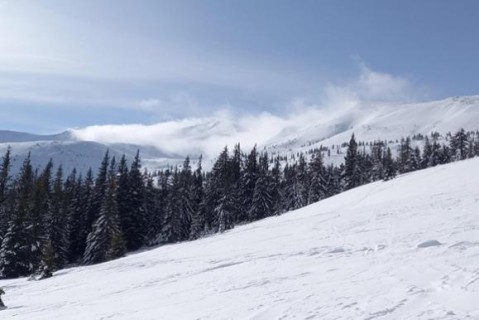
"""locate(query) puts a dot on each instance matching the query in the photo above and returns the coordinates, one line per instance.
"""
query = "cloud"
(209, 134)
(379, 86)
(374, 86)
(192, 136)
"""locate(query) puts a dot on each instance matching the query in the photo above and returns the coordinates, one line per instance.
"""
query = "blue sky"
(70, 64)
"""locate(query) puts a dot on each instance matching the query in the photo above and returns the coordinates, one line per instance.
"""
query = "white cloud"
(208, 135)
(379, 86)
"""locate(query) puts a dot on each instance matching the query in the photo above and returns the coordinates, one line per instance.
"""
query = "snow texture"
(353, 256)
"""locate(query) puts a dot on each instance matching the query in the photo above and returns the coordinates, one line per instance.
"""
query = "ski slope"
(403, 249)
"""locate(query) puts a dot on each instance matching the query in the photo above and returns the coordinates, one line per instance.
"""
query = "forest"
(50, 220)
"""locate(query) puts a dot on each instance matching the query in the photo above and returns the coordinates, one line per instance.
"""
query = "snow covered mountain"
(72, 153)
(169, 143)
(402, 249)
(381, 121)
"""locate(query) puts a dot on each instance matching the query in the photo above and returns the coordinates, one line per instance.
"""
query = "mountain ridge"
(176, 140)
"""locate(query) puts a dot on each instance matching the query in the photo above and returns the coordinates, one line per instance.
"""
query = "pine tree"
(98, 191)
(333, 180)
(377, 161)
(247, 183)
(56, 225)
(48, 263)
(389, 165)
(352, 168)
(276, 187)
(406, 156)
(427, 154)
(460, 145)
(18, 245)
(14, 252)
(171, 229)
(77, 219)
(104, 240)
(317, 174)
(135, 219)
(197, 219)
(4, 190)
(185, 200)
(222, 185)
(262, 204)
(300, 183)
(90, 198)
(155, 230)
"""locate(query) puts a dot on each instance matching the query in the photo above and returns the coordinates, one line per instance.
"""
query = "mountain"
(64, 149)
(402, 249)
(380, 121)
(7, 136)
(169, 143)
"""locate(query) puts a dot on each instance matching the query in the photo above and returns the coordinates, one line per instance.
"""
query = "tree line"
(49, 221)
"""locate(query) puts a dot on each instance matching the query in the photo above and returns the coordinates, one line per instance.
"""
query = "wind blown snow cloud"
(208, 135)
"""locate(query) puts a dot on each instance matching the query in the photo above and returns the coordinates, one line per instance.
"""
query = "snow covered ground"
(403, 249)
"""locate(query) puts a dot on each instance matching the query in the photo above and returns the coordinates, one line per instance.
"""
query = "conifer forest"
(50, 219)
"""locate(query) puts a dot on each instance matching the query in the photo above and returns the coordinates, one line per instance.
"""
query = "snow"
(353, 256)
(383, 121)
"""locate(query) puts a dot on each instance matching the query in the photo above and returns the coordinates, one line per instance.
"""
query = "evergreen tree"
(172, 229)
(301, 183)
(427, 154)
(17, 245)
(135, 224)
(157, 219)
(98, 191)
(389, 165)
(248, 182)
(56, 221)
(4, 190)
(276, 187)
(77, 218)
(14, 252)
(460, 145)
(262, 204)
(317, 174)
(90, 197)
(185, 199)
(104, 242)
(406, 156)
(197, 219)
(377, 170)
(352, 167)
(333, 180)
(48, 263)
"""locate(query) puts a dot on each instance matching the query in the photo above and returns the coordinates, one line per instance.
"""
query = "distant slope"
(70, 153)
(371, 122)
(403, 249)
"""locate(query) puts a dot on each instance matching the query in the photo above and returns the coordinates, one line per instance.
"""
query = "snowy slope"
(364, 254)
(370, 122)
(65, 150)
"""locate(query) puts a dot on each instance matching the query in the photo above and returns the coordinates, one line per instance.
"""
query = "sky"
(73, 64)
